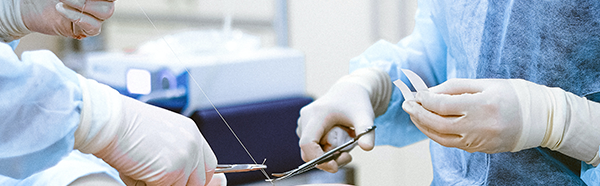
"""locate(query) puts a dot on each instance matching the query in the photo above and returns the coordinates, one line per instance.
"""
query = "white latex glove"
(141, 141)
(218, 180)
(499, 115)
(69, 18)
(353, 103)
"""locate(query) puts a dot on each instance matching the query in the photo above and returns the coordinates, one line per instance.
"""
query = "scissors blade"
(229, 168)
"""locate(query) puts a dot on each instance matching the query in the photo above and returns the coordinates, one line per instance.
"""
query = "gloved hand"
(499, 115)
(69, 18)
(141, 141)
(353, 103)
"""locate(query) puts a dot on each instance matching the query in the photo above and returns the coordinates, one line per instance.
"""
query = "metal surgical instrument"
(328, 156)
(229, 168)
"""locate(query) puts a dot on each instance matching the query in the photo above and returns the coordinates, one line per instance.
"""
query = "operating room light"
(139, 81)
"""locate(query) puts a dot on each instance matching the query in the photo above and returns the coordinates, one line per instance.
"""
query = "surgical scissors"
(328, 156)
(239, 168)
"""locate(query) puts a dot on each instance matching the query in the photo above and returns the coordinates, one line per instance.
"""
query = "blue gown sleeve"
(423, 52)
(40, 108)
(590, 174)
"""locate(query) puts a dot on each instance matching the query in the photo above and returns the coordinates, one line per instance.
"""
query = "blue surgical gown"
(40, 107)
(74, 166)
(555, 43)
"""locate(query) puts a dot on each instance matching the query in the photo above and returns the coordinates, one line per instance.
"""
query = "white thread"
(205, 95)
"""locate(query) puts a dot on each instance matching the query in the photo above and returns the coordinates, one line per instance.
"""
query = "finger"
(218, 180)
(311, 151)
(448, 105)
(442, 130)
(196, 177)
(330, 166)
(301, 123)
(89, 26)
(460, 86)
(210, 162)
(83, 23)
(367, 141)
(309, 117)
(447, 140)
(313, 132)
(343, 159)
(78, 33)
(130, 181)
(453, 97)
(424, 117)
(205, 168)
(333, 166)
(99, 9)
(310, 138)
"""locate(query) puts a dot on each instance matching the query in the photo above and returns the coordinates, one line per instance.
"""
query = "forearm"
(558, 120)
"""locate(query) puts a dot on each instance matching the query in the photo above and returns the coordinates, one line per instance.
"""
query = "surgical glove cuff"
(558, 120)
(579, 136)
(377, 83)
(11, 22)
(536, 107)
(101, 114)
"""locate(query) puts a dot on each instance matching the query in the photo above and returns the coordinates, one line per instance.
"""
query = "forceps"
(229, 168)
(328, 156)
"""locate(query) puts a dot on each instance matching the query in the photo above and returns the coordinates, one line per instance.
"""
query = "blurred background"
(320, 36)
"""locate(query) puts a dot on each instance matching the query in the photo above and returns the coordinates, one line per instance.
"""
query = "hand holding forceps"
(328, 156)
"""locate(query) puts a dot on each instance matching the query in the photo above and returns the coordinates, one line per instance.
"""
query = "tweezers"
(328, 156)
(239, 168)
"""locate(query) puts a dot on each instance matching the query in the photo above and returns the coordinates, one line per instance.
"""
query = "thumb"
(85, 24)
(367, 141)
